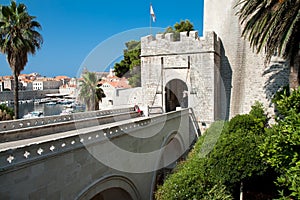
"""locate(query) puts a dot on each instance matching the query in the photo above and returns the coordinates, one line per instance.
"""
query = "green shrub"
(236, 157)
(6, 113)
(226, 156)
(281, 150)
(191, 180)
(286, 102)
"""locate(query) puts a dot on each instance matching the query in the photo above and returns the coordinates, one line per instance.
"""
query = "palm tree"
(90, 91)
(274, 25)
(18, 38)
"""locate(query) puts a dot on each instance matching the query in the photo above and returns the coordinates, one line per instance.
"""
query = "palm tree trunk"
(96, 104)
(294, 73)
(16, 95)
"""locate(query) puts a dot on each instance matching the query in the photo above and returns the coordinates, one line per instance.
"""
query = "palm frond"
(270, 25)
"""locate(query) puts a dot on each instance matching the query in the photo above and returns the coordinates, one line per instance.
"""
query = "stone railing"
(28, 128)
(25, 123)
(24, 154)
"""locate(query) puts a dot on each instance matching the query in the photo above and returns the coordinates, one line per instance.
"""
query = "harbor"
(46, 107)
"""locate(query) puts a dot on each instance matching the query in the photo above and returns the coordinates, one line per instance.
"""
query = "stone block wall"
(193, 60)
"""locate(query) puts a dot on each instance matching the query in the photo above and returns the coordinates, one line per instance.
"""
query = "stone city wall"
(243, 71)
(26, 95)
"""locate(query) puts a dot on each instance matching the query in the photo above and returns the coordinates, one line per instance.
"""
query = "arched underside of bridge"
(173, 151)
(111, 187)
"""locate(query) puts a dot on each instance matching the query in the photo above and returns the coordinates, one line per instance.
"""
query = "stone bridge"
(110, 154)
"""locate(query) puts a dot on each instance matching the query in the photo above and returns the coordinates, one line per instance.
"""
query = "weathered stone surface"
(251, 80)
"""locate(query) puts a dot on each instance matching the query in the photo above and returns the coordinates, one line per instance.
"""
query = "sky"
(92, 33)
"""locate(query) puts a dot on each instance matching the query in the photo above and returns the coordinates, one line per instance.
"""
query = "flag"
(152, 13)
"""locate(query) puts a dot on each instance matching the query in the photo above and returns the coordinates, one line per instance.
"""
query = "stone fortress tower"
(241, 67)
(218, 74)
(183, 73)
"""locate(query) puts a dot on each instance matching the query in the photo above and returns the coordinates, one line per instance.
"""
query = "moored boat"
(33, 114)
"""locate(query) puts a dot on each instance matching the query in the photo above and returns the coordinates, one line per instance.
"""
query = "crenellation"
(193, 34)
(169, 37)
(160, 36)
(164, 44)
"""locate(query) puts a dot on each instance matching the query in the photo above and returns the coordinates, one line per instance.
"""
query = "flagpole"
(150, 19)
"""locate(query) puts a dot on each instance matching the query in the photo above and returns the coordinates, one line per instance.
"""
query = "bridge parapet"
(26, 123)
(56, 124)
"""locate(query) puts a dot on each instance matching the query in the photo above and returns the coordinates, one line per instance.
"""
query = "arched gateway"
(176, 95)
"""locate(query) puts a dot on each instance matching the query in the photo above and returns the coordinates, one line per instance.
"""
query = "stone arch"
(165, 165)
(112, 193)
(176, 95)
(110, 187)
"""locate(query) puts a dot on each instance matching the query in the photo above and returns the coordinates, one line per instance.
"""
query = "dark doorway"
(112, 193)
(176, 95)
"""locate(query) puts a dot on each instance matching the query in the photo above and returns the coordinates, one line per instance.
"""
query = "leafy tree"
(274, 26)
(130, 66)
(286, 102)
(182, 26)
(281, 147)
(18, 38)
(90, 91)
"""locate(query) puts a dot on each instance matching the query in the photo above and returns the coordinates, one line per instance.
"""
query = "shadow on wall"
(279, 77)
(226, 76)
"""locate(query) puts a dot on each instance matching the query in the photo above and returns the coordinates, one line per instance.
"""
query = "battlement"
(183, 43)
(170, 36)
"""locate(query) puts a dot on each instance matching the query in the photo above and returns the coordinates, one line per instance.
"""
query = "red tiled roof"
(119, 83)
(61, 77)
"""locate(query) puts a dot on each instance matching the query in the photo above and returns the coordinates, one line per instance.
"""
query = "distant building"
(63, 79)
(8, 83)
(111, 85)
(69, 88)
(1, 85)
(101, 75)
(26, 84)
(115, 81)
(46, 84)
